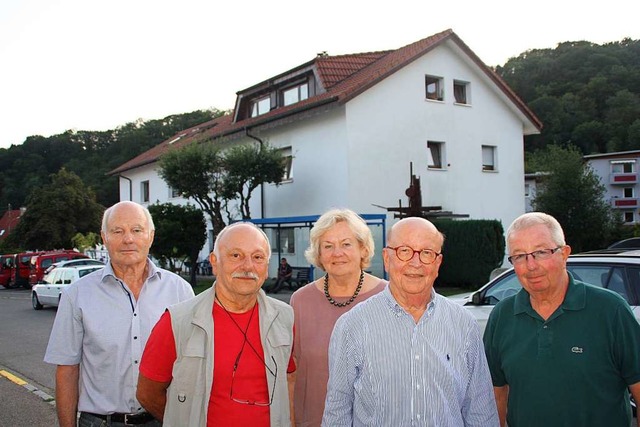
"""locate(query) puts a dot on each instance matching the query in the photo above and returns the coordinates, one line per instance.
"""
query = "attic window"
(460, 92)
(295, 94)
(260, 106)
(434, 88)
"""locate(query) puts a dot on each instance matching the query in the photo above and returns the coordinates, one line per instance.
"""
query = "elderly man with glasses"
(561, 352)
(222, 359)
(408, 356)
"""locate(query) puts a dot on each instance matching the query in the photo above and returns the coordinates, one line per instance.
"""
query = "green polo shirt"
(571, 370)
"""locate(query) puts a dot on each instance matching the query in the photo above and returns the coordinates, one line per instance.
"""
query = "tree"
(247, 167)
(181, 231)
(57, 212)
(574, 195)
(197, 172)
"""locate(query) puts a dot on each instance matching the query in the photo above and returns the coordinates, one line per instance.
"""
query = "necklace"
(244, 332)
(353, 297)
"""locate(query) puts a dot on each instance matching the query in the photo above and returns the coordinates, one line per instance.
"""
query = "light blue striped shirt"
(386, 370)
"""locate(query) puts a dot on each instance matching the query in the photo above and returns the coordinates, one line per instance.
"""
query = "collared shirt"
(102, 327)
(386, 370)
(571, 369)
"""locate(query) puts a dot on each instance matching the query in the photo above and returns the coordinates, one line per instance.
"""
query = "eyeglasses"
(405, 253)
(538, 255)
(253, 402)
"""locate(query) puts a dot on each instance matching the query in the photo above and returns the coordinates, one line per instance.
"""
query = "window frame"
(493, 165)
(437, 94)
(258, 103)
(299, 95)
(145, 190)
(465, 92)
(287, 157)
(432, 164)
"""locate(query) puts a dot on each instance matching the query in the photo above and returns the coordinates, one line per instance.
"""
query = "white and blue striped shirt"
(386, 370)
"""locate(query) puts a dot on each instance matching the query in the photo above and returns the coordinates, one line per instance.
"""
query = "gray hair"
(330, 218)
(107, 215)
(531, 219)
(216, 248)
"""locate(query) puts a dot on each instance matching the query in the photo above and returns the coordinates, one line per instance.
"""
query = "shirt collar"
(574, 299)
(152, 270)
(398, 309)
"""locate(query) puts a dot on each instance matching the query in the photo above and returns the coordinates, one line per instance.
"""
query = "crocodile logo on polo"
(576, 349)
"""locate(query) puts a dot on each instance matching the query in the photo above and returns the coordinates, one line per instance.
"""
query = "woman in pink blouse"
(341, 244)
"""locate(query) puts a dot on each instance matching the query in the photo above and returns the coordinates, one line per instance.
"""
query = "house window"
(435, 155)
(287, 158)
(295, 94)
(627, 216)
(434, 88)
(144, 191)
(287, 240)
(173, 193)
(489, 158)
(622, 166)
(460, 92)
(627, 192)
(260, 106)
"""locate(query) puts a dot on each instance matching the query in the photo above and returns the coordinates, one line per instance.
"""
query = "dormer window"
(260, 106)
(295, 94)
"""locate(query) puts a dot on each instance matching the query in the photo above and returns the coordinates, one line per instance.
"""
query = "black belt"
(126, 419)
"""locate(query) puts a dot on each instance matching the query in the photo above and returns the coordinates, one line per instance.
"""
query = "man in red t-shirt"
(248, 385)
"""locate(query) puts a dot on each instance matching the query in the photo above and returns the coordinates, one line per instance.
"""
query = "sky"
(97, 65)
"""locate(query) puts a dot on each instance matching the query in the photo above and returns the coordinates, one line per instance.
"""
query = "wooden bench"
(299, 277)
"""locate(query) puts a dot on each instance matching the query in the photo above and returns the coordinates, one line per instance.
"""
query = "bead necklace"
(353, 297)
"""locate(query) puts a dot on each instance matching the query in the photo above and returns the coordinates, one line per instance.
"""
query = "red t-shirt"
(249, 382)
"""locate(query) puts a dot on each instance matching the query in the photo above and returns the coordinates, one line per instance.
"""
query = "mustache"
(245, 275)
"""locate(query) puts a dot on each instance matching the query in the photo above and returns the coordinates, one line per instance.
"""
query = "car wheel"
(34, 302)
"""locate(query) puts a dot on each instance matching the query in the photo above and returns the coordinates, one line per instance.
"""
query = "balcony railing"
(623, 178)
(625, 202)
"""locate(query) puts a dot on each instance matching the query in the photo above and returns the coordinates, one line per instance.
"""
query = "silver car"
(617, 272)
(48, 292)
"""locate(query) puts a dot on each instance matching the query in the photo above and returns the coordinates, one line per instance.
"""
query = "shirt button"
(545, 326)
(418, 386)
(418, 416)
(135, 362)
(135, 338)
(417, 357)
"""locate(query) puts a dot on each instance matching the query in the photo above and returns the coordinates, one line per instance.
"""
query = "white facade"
(357, 154)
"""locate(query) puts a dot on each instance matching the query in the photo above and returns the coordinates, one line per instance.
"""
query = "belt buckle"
(126, 419)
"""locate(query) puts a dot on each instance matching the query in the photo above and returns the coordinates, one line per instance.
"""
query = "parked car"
(73, 263)
(618, 272)
(40, 262)
(6, 267)
(48, 292)
(21, 269)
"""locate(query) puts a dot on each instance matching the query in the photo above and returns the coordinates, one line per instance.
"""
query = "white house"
(350, 126)
(619, 174)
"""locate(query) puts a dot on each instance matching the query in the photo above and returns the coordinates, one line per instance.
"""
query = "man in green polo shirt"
(560, 352)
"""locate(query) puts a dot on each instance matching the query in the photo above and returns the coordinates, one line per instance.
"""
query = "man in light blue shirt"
(103, 323)
(408, 356)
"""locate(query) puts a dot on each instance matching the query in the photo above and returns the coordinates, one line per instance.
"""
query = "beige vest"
(192, 323)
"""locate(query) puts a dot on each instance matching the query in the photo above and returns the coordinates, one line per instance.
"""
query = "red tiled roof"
(334, 69)
(8, 222)
(343, 77)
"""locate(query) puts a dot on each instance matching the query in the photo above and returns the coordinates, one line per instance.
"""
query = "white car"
(617, 272)
(48, 292)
